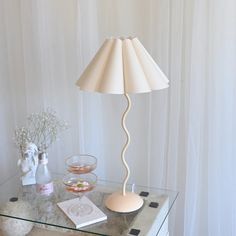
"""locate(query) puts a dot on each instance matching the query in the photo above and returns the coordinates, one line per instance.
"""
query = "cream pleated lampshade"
(122, 66)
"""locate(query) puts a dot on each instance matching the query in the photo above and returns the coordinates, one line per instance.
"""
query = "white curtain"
(182, 138)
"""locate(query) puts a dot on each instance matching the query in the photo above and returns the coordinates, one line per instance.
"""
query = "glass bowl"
(81, 164)
(80, 184)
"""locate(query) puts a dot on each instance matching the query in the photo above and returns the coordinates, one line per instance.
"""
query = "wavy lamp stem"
(126, 144)
(123, 201)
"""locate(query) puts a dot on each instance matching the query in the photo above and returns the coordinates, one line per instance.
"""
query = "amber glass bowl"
(81, 164)
(80, 184)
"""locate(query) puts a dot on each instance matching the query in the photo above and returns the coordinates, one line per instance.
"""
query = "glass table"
(151, 219)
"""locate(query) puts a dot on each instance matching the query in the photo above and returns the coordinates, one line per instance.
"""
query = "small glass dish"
(81, 164)
(80, 184)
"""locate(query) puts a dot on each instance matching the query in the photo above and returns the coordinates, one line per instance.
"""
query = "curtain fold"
(181, 138)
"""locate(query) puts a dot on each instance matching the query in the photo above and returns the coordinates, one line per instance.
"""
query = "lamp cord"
(126, 144)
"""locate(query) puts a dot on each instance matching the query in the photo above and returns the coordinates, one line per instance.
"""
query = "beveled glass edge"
(52, 225)
(167, 214)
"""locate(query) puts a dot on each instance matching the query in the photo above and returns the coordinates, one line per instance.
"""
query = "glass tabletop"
(45, 213)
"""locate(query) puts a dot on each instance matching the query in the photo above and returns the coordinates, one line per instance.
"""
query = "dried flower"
(21, 137)
(43, 129)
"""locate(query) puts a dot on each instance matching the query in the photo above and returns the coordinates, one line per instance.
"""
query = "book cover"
(82, 212)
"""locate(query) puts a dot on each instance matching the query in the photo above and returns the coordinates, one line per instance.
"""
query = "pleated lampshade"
(122, 66)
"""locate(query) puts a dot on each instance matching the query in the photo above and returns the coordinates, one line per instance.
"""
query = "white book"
(82, 211)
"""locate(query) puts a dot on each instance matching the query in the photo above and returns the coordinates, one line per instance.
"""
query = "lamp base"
(124, 203)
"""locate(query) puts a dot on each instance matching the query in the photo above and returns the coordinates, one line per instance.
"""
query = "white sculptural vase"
(28, 163)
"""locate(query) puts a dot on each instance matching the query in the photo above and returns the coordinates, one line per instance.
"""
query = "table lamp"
(123, 66)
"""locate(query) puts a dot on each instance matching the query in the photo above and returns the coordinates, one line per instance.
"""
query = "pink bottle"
(44, 183)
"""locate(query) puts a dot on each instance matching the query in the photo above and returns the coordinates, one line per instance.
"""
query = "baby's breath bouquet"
(42, 129)
(21, 137)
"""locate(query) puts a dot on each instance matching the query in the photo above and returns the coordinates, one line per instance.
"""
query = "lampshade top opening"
(121, 38)
(122, 65)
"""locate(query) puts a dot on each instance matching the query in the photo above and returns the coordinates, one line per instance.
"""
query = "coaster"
(134, 232)
(154, 204)
(144, 194)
